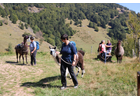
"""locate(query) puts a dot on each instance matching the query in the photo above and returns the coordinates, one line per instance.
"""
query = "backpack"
(99, 48)
(37, 45)
(74, 44)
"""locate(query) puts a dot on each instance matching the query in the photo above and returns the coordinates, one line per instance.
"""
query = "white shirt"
(103, 47)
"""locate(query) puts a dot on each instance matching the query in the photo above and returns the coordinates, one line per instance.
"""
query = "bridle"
(53, 53)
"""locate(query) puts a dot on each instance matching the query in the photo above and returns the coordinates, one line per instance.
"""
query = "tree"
(71, 22)
(26, 25)
(128, 45)
(1, 23)
(22, 26)
(13, 18)
(133, 24)
(90, 24)
(96, 29)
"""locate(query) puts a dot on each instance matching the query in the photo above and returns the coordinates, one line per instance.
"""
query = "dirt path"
(12, 75)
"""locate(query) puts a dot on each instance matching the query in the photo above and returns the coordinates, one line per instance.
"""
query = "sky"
(132, 6)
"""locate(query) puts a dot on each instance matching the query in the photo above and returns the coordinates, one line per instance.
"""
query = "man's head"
(31, 38)
(64, 36)
(108, 41)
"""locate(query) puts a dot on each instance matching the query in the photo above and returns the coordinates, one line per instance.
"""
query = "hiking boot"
(76, 86)
(63, 87)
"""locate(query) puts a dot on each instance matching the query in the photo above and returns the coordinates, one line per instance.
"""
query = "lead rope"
(66, 62)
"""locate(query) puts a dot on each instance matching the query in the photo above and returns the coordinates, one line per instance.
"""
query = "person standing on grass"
(33, 51)
(68, 52)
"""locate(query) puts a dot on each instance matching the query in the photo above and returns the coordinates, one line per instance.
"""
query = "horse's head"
(119, 43)
(53, 51)
(25, 36)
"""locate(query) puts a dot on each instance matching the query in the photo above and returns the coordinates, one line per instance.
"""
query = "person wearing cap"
(33, 51)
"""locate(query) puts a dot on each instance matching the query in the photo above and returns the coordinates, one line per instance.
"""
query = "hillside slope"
(11, 33)
(86, 37)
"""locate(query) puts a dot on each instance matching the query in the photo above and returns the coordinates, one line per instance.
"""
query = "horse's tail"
(82, 52)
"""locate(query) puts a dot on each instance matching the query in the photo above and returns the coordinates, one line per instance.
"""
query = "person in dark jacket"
(68, 52)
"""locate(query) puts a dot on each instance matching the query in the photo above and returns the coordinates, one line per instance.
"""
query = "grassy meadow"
(110, 79)
(86, 37)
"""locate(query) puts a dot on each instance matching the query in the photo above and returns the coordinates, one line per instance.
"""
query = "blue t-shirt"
(68, 52)
(32, 45)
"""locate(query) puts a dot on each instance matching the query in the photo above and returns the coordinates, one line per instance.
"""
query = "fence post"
(139, 48)
(138, 83)
(91, 49)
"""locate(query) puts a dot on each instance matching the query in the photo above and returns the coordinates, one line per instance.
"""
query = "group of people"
(105, 49)
(66, 53)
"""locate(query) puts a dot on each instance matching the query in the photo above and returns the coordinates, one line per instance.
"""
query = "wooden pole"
(138, 83)
(139, 48)
(91, 49)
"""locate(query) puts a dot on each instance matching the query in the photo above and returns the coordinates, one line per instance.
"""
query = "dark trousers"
(63, 72)
(33, 57)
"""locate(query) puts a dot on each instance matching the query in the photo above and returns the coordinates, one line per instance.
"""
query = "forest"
(51, 20)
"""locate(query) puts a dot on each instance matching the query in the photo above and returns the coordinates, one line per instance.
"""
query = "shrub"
(1, 23)
(10, 48)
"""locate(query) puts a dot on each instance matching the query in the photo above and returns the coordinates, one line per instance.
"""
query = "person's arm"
(74, 52)
(108, 46)
(57, 52)
(33, 50)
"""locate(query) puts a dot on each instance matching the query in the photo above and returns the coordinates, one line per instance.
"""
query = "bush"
(25, 33)
(70, 22)
(1, 23)
(96, 29)
(10, 48)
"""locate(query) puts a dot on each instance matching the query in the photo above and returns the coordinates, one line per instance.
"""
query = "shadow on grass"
(15, 63)
(43, 82)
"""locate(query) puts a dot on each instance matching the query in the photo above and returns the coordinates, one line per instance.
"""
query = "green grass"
(110, 79)
(86, 37)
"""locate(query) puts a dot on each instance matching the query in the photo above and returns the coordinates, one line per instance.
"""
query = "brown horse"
(22, 49)
(119, 52)
(79, 60)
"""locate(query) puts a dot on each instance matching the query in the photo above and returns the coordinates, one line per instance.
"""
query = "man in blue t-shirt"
(68, 52)
(33, 51)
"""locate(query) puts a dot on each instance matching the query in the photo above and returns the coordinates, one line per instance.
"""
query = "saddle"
(19, 46)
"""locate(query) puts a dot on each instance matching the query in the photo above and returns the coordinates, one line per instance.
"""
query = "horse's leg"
(121, 59)
(117, 59)
(23, 59)
(26, 59)
(17, 55)
(78, 71)
(82, 67)
(19, 58)
(67, 72)
(83, 70)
